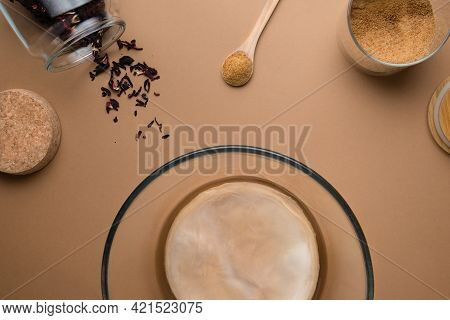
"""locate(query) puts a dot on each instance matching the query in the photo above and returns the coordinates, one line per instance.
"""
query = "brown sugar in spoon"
(237, 69)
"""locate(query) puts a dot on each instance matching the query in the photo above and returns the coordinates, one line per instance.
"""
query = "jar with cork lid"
(64, 33)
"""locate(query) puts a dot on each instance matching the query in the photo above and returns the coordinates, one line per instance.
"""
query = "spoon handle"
(249, 45)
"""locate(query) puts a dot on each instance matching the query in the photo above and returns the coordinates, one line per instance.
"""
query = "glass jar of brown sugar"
(383, 37)
(64, 33)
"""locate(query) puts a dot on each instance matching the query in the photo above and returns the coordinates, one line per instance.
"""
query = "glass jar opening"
(79, 47)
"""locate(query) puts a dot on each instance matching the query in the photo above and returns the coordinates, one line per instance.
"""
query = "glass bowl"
(133, 258)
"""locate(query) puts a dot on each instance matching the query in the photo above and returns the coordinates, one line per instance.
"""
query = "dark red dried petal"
(147, 85)
(140, 103)
(106, 92)
(114, 104)
(126, 61)
(129, 45)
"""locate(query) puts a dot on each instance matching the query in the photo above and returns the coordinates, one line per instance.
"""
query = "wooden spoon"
(237, 69)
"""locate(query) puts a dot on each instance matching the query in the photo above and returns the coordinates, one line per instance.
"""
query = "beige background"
(369, 139)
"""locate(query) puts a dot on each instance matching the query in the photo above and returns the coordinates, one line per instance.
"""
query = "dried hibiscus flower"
(147, 85)
(105, 92)
(102, 66)
(129, 45)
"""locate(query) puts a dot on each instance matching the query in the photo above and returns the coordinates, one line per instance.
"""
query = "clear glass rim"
(388, 64)
(370, 282)
(107, 23)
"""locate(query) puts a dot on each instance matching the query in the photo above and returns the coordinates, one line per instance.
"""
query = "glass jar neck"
(76, 49)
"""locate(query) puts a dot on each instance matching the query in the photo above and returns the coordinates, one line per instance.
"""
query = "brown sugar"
(394, 31)
(237, 69)
(30, 132)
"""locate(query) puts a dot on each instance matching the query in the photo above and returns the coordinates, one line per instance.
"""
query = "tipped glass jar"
(383, 37)
(64, 33)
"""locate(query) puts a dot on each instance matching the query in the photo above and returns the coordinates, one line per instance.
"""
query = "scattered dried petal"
(114, 104)
(102, 66)
(129, 45)
(140, 103)
(126, 61)
(140, 69)
(135, 93)
(105, 92)
(147, 85)
(124, 84)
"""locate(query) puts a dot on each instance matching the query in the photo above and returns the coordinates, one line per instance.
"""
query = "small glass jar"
(361, 58)
(64, 33)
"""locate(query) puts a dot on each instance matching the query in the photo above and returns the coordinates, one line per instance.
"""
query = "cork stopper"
(439, 115)
(30, 132)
